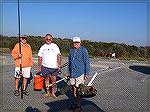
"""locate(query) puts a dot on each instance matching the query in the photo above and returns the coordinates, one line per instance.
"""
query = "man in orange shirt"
(26, 61)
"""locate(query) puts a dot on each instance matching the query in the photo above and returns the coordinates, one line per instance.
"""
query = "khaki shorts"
(25, 72)
(77, 81)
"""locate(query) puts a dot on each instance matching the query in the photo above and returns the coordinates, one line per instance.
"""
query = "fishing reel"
(18, 73)
(59, 72)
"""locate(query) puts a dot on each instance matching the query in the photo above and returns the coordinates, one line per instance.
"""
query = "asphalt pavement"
(122, 86)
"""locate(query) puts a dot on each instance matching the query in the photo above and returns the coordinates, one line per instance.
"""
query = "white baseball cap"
(76, 39)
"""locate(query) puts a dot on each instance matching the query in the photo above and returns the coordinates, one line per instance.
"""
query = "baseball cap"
(76, 39)
(24, 36)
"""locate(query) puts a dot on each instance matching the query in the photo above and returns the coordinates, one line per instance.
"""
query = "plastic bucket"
(38, 82)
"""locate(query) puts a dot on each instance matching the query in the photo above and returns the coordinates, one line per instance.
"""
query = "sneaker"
(25, 92)
(53, 96)
(77, 109)
(16, 93)
(75, 106)
(47, 95)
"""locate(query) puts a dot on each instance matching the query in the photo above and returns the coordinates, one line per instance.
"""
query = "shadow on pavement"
(30, 109)
(142, 69)
(65, 104)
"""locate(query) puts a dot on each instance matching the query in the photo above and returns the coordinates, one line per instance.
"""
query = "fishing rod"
(20, 55)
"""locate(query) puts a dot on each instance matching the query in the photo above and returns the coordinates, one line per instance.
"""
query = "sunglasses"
(49, 39)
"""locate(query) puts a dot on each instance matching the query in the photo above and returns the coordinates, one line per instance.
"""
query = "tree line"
(95, 49)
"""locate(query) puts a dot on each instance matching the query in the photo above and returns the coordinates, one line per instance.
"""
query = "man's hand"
(86, 77)
(20, 55)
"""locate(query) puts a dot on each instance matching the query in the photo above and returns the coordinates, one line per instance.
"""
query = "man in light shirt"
(79, 67)
(49, 61)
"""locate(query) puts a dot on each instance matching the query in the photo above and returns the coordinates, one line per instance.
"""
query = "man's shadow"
(65, 104)
(142, 69)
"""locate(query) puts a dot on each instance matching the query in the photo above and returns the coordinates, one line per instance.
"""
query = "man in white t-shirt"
(49, 61)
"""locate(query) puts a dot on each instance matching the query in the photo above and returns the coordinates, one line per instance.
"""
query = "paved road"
(122, 87)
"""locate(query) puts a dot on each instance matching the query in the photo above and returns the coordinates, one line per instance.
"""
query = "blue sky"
(106, 22)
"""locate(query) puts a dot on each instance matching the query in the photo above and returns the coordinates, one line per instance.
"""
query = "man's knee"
(53, 77)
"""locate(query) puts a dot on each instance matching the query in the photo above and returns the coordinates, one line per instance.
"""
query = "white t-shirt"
(49, 55)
